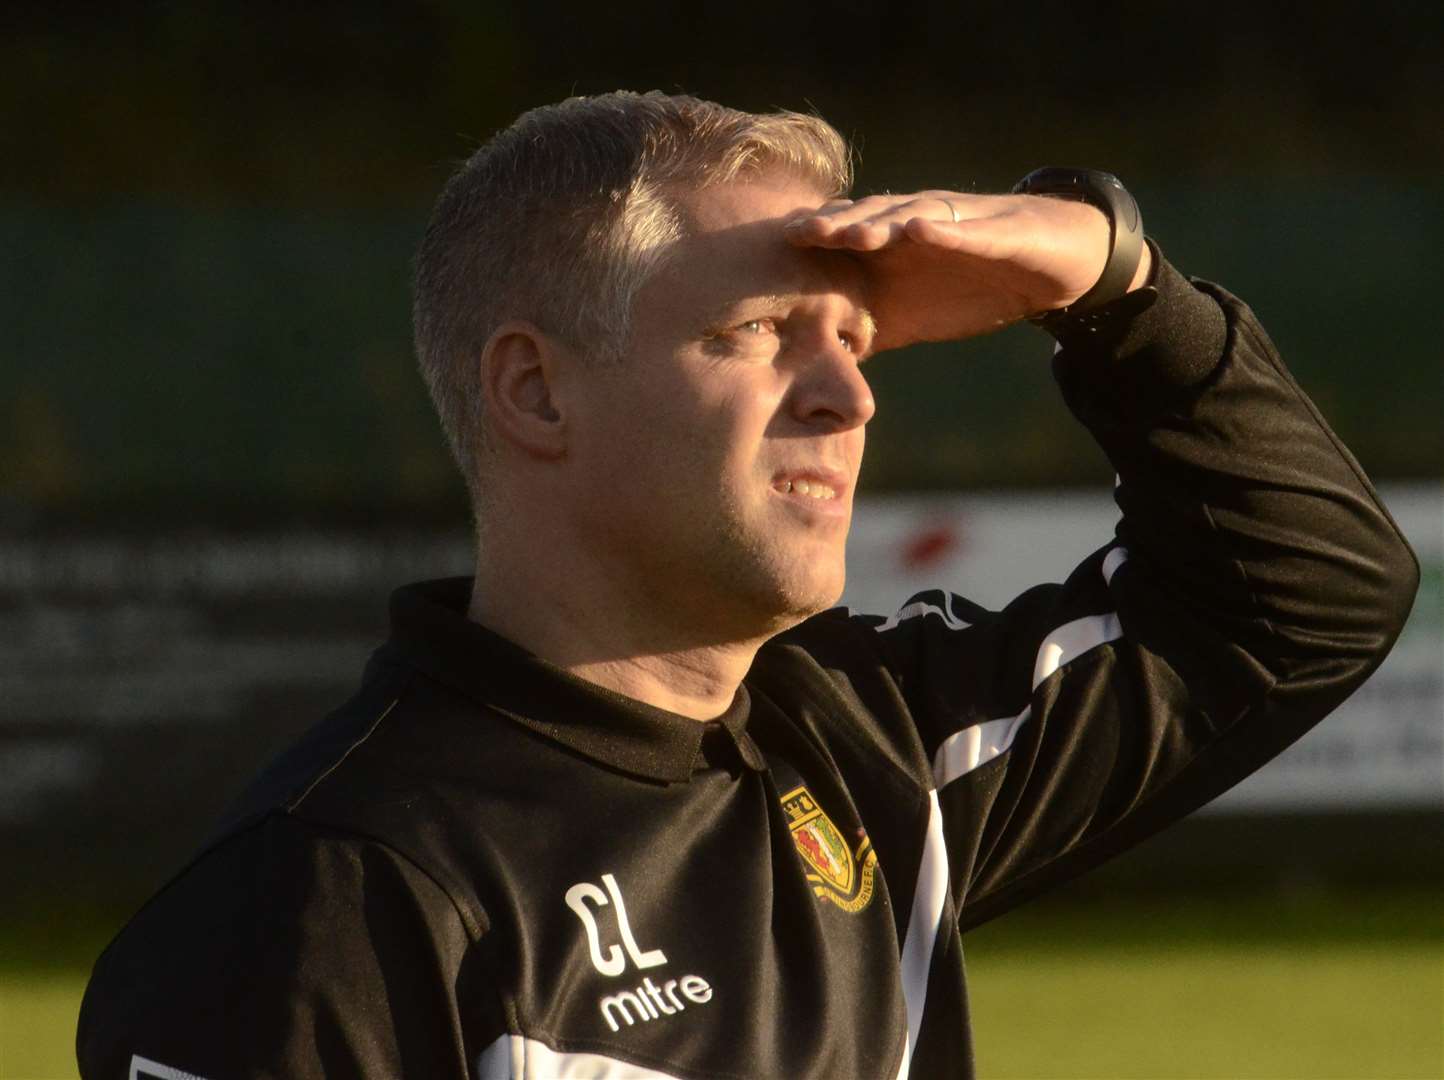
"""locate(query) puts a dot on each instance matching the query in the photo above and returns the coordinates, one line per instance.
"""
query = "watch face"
(1087, 185)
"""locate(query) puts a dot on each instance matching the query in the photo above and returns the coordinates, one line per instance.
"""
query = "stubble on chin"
(776, 587)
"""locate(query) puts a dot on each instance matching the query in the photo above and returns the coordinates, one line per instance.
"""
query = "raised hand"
(946, 265)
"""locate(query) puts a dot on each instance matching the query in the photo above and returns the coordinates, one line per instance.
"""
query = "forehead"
(735, 247)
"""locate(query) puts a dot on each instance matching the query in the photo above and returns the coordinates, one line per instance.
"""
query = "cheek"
(724, 424)
(619, 431)
(746, 452)
(698, 433)
(751, 411)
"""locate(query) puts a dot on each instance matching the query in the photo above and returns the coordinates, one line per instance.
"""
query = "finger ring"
(951, 209)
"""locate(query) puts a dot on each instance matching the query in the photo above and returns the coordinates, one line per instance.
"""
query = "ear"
(521, 367)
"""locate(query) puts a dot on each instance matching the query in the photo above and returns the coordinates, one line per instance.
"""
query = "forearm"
(1238, 500)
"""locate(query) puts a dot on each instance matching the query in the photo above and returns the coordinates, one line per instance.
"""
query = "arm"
(291, 951)
(1254, 582)
(944, 265)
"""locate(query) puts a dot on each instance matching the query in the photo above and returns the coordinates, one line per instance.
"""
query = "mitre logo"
(839, 874)
(648, 1001)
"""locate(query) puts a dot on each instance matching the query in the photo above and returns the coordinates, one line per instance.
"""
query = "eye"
(749, 337)
(847, 341)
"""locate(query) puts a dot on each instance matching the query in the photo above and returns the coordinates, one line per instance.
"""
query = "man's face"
(717, 462)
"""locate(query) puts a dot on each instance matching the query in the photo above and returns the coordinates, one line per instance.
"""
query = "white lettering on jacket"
(648, 1001)
(612, 963)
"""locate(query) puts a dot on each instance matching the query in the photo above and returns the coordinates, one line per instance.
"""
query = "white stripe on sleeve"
(929, 899)
(1112, 561)
(919, 608)
(964, 751)
(1072, 640)
(145, 1069)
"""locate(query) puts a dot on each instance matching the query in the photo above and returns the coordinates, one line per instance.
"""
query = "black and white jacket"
(484, 867)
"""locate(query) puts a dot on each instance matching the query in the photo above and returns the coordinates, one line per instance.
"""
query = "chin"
(779, 586)
(803, 600)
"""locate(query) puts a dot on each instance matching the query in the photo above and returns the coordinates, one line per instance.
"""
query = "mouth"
(822, 489)
(813, 489)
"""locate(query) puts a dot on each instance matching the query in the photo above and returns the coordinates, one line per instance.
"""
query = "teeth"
(813, 489)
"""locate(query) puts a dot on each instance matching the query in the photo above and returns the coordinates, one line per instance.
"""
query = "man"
(633, 802)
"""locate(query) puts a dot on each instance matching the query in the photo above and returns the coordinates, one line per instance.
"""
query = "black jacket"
(482, 866)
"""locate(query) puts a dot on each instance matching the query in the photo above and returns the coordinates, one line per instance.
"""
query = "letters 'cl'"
(613, 963)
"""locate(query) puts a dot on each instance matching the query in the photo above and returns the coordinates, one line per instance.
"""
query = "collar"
(430, 632)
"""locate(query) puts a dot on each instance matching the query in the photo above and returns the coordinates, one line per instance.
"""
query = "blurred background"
(216, 459)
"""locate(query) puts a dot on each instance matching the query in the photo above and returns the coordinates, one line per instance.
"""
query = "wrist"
(1127, 265)
(1144, 354)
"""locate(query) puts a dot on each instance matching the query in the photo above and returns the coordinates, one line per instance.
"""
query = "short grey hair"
(560, 218)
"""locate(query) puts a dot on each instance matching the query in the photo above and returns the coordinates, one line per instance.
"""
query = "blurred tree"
(209, 210)
(338, 103)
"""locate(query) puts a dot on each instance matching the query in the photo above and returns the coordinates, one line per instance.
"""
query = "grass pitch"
(1310, 987)
(37, 1023)
(1329, 1012)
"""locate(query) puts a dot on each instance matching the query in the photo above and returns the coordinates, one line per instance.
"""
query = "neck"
(607, 635)
(696, 683)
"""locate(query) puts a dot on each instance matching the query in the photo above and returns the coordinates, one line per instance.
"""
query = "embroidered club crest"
(838, 873)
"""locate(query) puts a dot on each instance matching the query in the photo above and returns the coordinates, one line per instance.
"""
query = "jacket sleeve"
(289, 951)
(1253, 583)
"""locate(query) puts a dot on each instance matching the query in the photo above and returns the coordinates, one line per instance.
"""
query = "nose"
(831, 392)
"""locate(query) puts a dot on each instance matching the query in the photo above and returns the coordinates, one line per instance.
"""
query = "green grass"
(1310, 987)
(1235, 1011)
(37, 1023)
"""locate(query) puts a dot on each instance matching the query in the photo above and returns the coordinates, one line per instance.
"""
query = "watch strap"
(1125, 222)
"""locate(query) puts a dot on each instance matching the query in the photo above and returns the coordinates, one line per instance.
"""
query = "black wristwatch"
(1125, 245)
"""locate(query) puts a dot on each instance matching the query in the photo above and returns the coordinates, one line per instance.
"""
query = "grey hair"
(561, 218)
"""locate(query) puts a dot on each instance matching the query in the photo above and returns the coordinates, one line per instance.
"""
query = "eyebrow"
(869, 323)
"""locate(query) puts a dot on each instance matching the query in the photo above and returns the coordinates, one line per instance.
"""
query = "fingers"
(879, 220)
(864, 225)
(975, 236)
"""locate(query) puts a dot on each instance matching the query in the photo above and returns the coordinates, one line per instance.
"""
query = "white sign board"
(1383, 749)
